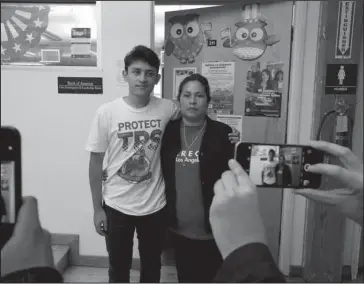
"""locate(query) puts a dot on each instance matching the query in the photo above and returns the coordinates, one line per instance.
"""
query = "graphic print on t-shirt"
(188, 157)
(144, 136)
(269, 172)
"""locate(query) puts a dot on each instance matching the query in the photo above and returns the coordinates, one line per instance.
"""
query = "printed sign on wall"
(345, 26)
(79, 85)
(178, 75)
(341, 79)
(220, 75)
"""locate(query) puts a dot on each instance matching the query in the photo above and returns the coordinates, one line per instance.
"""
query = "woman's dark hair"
(272, 151)
(199, 78)
(143, 53)
(277, 73)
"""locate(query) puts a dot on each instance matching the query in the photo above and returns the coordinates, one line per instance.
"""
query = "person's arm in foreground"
(239, 232)
(349, 199)
(27, 256)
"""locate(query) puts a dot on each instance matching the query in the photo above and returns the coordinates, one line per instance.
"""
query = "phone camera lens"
(10, 148)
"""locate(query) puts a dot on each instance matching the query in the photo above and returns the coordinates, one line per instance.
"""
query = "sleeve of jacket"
(250, 263)
(230, 147)
(34, 275)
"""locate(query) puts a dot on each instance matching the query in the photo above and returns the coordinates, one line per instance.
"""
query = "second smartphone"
(280, 165)
(11, 193)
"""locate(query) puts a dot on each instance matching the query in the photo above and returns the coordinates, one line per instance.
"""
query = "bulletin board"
(233, 46)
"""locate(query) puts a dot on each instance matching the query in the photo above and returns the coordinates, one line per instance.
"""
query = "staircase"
(76, 268)
(61, 256)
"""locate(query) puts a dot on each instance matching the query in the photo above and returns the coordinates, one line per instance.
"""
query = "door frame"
(299, 125)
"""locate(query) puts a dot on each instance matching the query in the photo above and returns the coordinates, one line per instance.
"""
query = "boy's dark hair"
(199, 78)
(272, 151)
(143, 53)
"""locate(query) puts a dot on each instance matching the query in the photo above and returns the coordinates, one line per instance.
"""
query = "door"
(244, 50)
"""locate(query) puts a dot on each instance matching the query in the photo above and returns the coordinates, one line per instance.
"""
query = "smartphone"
(11, 190)
(280, 165)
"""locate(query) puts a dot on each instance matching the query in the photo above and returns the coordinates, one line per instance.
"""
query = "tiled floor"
(92, 274)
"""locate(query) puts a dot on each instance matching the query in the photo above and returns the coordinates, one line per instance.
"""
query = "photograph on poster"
(48, 34)
(264, 88)
(275, 165)
(221, 80)
(178, 75)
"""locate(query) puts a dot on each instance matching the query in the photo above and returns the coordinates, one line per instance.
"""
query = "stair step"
(61, 257)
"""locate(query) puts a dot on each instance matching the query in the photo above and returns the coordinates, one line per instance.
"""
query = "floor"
(92, 274)
(76, 274)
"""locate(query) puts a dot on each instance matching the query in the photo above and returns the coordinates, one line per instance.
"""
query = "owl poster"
(186, 37)
(249, 38)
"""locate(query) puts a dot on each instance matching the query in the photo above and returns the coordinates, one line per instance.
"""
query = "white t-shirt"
(131, 140)
(269, 174)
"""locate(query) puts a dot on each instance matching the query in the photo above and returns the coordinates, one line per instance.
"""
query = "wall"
(54, 127)
(329, 249)
(358, 150)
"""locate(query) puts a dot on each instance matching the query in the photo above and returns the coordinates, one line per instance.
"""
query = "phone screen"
(11, 193)
(280, 165)
(8, 192)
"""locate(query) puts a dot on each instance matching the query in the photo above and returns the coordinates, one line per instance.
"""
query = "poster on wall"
(264, 87)
(234, 121)
(345, 30)
(221, 79)
(48, 34)
(178, 75)
(80, 85)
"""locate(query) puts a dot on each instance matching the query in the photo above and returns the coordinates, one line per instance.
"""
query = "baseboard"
(297, 271)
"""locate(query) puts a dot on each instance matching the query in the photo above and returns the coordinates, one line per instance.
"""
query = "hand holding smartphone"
(11, 193)
(280, 165)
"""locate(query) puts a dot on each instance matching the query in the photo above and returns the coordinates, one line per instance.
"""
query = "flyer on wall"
(234, 121)
(221, 79)
(179, 74)
(264, 88)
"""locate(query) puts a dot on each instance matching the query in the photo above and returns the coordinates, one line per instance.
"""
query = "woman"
(267, 82)
(195, 152)
(278, 78)
(283, 172)
(249, 81)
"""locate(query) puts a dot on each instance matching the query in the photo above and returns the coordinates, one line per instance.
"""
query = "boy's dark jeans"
(151, 233)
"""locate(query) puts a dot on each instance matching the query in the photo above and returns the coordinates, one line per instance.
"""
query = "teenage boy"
(124, 142)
